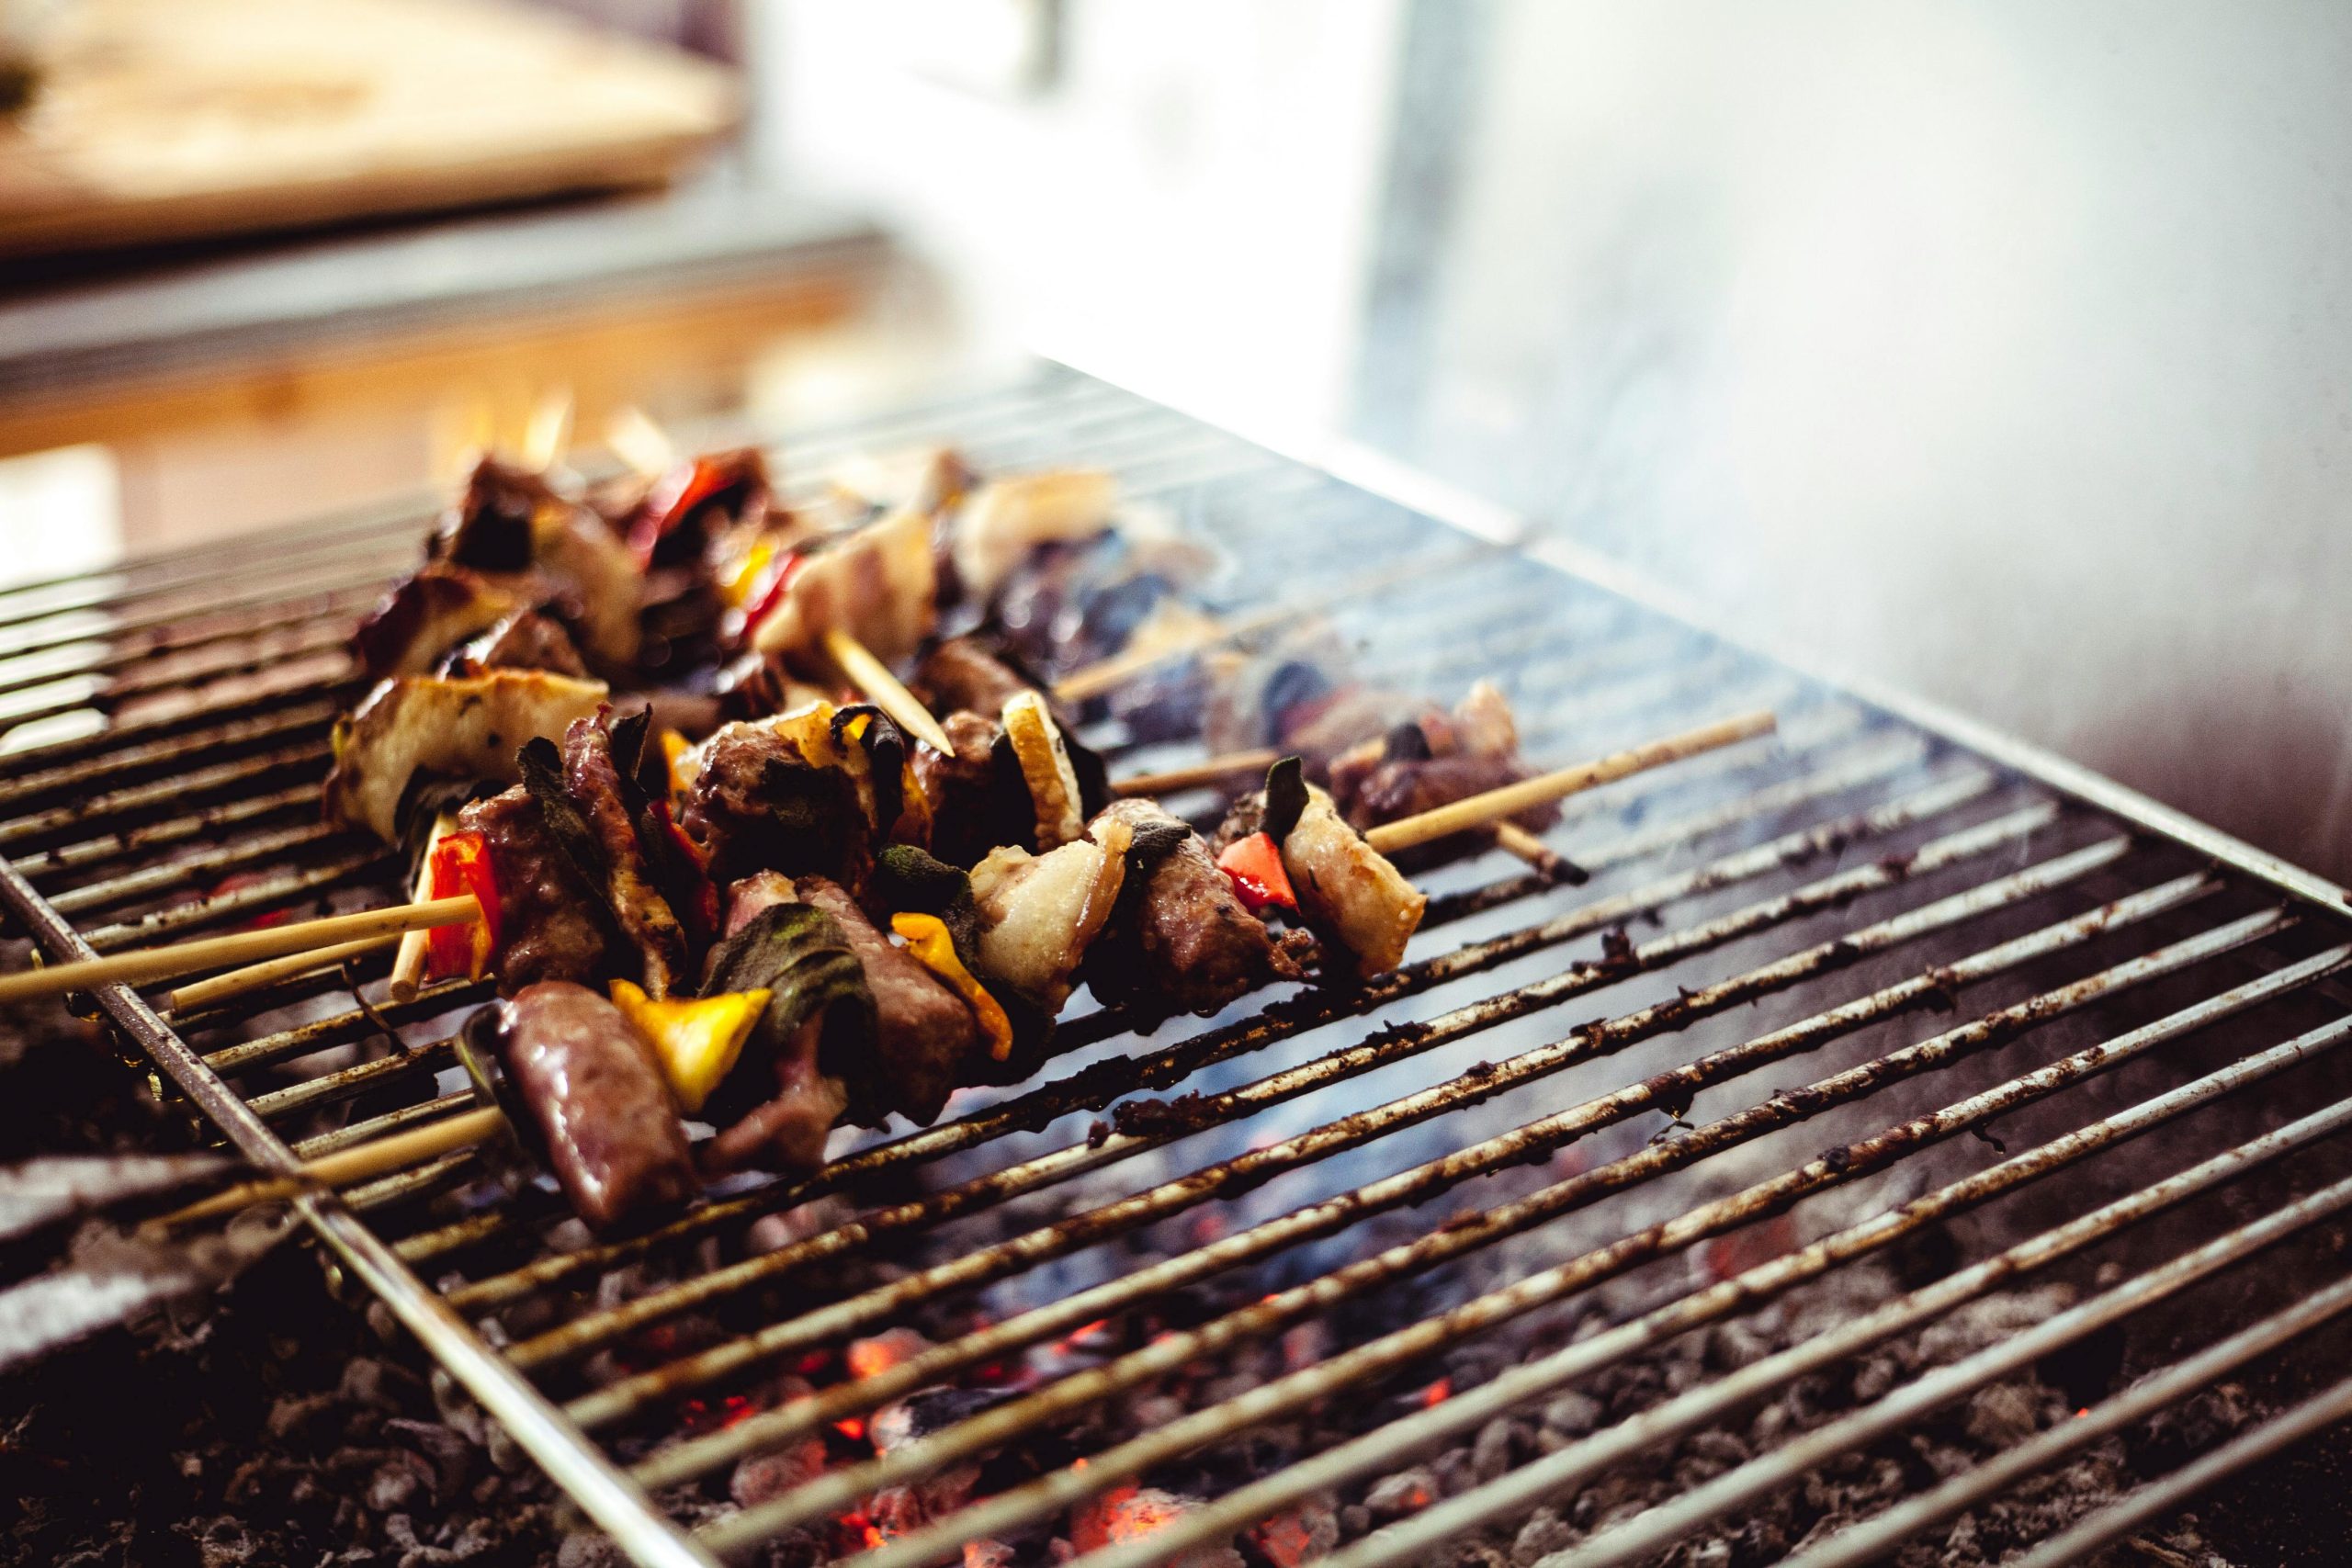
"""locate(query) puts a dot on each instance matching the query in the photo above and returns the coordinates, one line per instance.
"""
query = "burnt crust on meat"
(758, 806)
(962, 789)
(923, 1032)
(646, 920)
(1183, 941)
(550, 928)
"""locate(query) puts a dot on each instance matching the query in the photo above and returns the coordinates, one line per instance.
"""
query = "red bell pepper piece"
(671, 501)
(460, 864)
(1254, 864)
(705, 893)
(770, 597)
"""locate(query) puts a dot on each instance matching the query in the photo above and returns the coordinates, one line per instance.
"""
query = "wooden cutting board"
(176, 119)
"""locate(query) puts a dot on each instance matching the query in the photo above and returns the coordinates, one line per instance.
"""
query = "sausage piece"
(612, 1133)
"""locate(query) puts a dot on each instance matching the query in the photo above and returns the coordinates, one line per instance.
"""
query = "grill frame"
(557, 1436)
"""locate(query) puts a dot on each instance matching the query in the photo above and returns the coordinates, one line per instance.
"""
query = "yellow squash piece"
(1046, 767)
(695, 1040)
(929, 943)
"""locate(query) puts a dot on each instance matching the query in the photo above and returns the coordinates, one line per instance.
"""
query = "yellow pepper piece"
(696, 1041)
(674, 748)
(928, 941)
(737, 584)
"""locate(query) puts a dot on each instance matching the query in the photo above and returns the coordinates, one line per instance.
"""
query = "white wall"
(1185, 210)
(2003, 348)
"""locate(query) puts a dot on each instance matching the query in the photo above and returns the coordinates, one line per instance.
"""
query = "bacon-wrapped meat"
(467, 728)
(1179, 939)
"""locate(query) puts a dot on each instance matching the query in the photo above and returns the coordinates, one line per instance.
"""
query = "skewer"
(382, 1156)
(346, 1167)
(1514, 839)
(253, 976)
(1478, 811)
(1214, 769)
(408, 965)
(873, 677)
(1095, 680)
(142, 966)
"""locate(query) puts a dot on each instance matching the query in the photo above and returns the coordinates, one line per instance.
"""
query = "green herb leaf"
(542, 769)
(801, 955)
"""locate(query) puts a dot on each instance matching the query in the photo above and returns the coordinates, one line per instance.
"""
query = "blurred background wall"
(1999, 348)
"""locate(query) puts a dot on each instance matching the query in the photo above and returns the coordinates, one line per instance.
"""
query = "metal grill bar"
(1536, 1138)
(1096, 1089)
(204, 732)
(1381, 1050)
(1519, 1386)
(1367, 1363)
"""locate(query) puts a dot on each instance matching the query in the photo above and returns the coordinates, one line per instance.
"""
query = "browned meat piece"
(961, 673)
(550, 928)
(546, 549)
(525, 640)
(612, 1133)
(1433, 759)
(1349, 892)
(923, 1032)
(1182, 941)
(788, 1131)
(760, 890)
(645, 918)
(488, 528)
(758, 806)
(961, 790)
(430, 611)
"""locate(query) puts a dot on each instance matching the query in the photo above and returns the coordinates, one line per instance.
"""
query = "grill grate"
(1803, 908)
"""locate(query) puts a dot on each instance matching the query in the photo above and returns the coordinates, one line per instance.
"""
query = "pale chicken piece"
(1040, 912)
(879, 585)
(602, 588)
(1347, 887)
(467, 728)
(1005, 519)
(928, 479)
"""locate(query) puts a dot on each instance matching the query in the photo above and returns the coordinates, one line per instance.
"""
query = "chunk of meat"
(467, 728)
(646, 920)
(524, 640)
(1007, 518)
(879, 584)
(1348, 889)
(1435, 759)
(1179, 940)
(549, 927)
(1347, 892)
(966, 807)
(430, 611)
(1041, 912)
(544, 548)
(756, 805)
(923, 1032)
(961, 673)
(612, 1133)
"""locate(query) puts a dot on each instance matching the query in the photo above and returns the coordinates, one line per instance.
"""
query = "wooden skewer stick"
(348, 1167)
(873, 677)
(1214, 770)
(1514, 839)
(1493, 804)
(408, 964)
(253, 977)
(142, 966)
